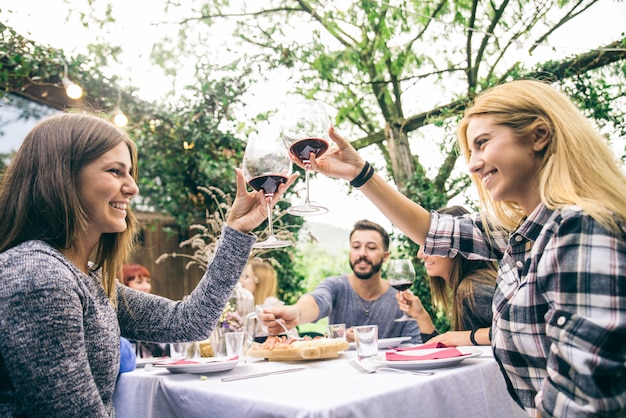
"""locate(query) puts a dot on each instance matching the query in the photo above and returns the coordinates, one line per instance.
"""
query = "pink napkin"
(183, 361)
(422, 347)
(439, 354)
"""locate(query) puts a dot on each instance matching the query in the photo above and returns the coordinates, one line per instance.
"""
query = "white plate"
(385, 342)
(201, 365)
(381, 361)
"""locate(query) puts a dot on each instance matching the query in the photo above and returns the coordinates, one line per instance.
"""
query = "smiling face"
(436, 266)
(507, 165)
(105, 186)
(367, 253)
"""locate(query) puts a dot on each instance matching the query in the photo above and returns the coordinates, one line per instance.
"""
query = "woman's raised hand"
(249, 209)
(342, 161)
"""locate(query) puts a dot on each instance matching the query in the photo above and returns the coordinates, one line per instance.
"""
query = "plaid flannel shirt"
(559, 326)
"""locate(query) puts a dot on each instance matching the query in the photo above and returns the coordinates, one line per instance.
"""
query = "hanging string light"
(73, 90)
(119, 118)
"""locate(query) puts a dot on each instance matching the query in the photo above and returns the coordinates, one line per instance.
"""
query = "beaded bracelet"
(472, 336)
(366, 173)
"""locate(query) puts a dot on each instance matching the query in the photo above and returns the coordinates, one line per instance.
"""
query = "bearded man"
(359, 298)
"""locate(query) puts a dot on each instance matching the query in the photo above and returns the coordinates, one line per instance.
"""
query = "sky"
(44, 21)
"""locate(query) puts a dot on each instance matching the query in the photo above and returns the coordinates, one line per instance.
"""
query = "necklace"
(367, 311)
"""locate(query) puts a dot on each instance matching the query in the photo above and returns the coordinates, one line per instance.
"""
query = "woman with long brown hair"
(67, 228)
(461, 288)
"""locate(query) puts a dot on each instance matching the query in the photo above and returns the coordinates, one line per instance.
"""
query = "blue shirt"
(559, 326)
(128, 358)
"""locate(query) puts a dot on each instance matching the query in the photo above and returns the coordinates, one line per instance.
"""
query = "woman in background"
(259, 278)
(461, 288)
(138, 277)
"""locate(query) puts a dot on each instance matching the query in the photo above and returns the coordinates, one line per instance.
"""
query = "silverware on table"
(365, 369)
(250, 376)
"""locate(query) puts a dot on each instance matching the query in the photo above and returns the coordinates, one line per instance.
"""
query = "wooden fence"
(160, 235)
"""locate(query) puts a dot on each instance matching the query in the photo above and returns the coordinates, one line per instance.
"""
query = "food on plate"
(307, 348)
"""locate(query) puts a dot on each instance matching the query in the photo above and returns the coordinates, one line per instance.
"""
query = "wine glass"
(266, 165)
(401, 275)
(305, 131)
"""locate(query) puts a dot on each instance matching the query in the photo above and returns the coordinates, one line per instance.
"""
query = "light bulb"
(73, 90)
(120, 118)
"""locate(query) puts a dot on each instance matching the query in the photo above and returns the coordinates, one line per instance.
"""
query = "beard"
(364, 275)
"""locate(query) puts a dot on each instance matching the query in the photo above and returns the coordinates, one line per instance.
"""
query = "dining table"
(473, 387)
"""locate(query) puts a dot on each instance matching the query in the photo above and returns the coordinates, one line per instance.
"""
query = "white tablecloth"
(327, 388)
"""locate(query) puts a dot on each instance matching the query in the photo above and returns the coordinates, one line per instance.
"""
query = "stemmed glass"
(266, 165)
(401, 275)
(305, 131)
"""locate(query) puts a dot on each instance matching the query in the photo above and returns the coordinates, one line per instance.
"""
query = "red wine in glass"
(268, 183)
(401, 275)
(303, 148)
(401, 287)
(305, 131)
(266, 165)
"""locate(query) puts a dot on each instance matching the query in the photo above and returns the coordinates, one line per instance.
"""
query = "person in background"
(359, 298)
(67, 228)
(259, 278)
(138, 277)
(554, 218)
(460, 287)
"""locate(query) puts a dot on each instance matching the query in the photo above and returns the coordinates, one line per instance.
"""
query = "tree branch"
(550, 70)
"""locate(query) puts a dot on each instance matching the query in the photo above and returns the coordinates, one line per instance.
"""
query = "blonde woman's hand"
(249, 209)
(342, 161)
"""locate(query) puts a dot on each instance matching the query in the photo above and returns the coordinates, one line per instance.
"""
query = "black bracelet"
(472, 336)
(366, 173)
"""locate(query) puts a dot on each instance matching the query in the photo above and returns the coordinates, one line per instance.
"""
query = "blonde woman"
(553, 216)
(259, 278)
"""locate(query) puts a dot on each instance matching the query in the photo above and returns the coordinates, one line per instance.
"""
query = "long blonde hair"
(38, 193)
(267, 283)
(578, 165)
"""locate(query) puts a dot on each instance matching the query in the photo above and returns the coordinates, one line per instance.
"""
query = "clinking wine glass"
(305, 131)
(401, 275)
(266, 165)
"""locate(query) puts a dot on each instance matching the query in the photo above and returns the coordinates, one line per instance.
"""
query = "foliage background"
(397, 73)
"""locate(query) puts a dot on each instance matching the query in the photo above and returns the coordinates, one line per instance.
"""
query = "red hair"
(130, 271)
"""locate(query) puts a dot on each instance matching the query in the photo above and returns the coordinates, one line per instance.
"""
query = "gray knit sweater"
(60, 335)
